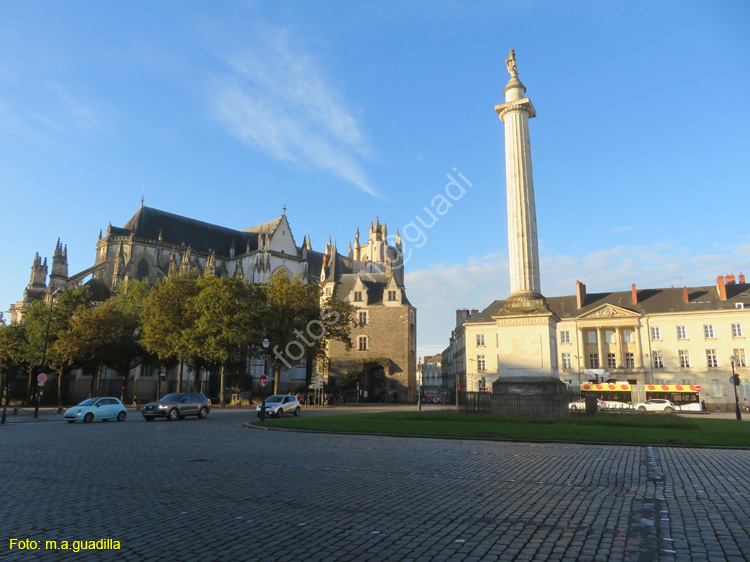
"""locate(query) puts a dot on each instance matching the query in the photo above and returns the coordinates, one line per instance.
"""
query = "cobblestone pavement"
(214, 490)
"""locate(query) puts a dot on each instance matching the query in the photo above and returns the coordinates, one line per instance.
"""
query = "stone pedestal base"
(531, 303)
(532, 384)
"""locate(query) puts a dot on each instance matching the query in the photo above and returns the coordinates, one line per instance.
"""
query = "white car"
(96, 409)
(581, 405)
(280, 404)
(655, 405)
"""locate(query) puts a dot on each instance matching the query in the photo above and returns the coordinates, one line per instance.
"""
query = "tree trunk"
(221, 387)
(98, 387)
(179, 376)
(124, 385)
(28, 387)
(276, 377)
(59, 387)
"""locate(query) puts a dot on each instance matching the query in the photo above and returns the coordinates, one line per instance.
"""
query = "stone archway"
(374, 382)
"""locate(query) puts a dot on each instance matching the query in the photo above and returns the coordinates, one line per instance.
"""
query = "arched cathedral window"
(142, 272)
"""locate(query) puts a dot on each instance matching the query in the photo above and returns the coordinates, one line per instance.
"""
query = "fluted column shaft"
(523, 247)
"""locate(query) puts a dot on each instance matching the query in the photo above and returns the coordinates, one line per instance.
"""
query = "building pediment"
(608, 311)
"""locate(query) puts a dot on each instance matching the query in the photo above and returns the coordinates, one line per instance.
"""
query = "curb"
(500, 440)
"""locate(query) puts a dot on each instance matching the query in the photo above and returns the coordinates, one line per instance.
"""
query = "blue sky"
(346, 111)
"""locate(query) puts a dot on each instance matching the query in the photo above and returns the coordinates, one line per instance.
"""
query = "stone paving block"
(505, 501)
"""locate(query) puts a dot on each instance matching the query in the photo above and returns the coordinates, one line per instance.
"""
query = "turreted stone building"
(153, 242)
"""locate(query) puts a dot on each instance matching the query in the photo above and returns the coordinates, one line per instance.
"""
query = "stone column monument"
(527, 329)
(523, 248)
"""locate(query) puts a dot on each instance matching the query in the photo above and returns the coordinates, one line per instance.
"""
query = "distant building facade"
(432, 375)
(674, 337)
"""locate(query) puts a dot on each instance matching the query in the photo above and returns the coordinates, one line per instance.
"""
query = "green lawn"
(607, 427)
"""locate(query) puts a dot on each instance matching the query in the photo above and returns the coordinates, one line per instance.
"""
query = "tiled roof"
(149, 223)
(650, 301)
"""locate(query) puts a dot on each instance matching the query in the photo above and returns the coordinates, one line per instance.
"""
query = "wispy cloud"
(623, 228)
(277, 99)
(64, 113)
(438, 290)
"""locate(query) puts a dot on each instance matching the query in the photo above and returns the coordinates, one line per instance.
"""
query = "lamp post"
(44, 353)
(419, 390)
(735, 384)
(266, 343)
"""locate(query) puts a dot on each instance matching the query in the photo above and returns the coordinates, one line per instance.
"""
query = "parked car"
(91, 409)
(655, 405)
(176, 406)
(280, 404)
(581, 405)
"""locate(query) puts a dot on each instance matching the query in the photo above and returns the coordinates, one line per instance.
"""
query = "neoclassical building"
(659, 337)
(153, 242)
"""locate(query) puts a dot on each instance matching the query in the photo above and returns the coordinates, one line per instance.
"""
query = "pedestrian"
(747, 406)
(703, 406)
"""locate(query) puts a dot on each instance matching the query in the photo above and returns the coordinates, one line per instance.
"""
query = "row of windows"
(627, 335)
(609, 336)
(358, 297)
(708, 332)
(712, 360)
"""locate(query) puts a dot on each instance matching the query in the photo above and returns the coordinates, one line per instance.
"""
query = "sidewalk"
(25, 414)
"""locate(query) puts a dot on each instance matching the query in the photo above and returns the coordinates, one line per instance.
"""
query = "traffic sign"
(263, 380)
(41, 378)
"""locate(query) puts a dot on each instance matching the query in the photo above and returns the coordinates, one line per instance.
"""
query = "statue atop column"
(510, 62)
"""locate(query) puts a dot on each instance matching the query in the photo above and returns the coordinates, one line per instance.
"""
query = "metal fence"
(550, 405)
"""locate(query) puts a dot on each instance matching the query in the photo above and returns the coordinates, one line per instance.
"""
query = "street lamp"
(44, 353)
(265, 344)
(419, 390)
(735, 383)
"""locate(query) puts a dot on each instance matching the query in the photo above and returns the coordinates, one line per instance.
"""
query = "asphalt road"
(216, 490)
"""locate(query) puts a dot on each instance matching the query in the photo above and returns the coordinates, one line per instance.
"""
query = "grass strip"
(660, 429)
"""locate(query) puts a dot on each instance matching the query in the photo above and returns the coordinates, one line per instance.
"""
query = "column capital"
(524, 105)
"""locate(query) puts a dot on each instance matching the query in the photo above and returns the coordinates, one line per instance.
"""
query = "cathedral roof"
(150, 224)
(99, 290)
(267, 227)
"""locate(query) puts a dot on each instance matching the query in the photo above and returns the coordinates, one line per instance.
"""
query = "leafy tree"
(12, 345)
(229, 322)
(169, 318)
(297, 326)
(43, 323)
(70, 302)
(108, 335)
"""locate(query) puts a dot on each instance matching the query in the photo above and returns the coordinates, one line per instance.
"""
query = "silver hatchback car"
(280, 404)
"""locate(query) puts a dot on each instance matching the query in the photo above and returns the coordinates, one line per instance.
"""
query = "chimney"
(634, 293)
(325, 260)
(730, 280)
(685, 294)
(721, 288)
(742, 278)
(474, 313)
(580, 294)
(462, 315)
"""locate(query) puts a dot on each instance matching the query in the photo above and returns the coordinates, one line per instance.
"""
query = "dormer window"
(357, 296)
(391, 295)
